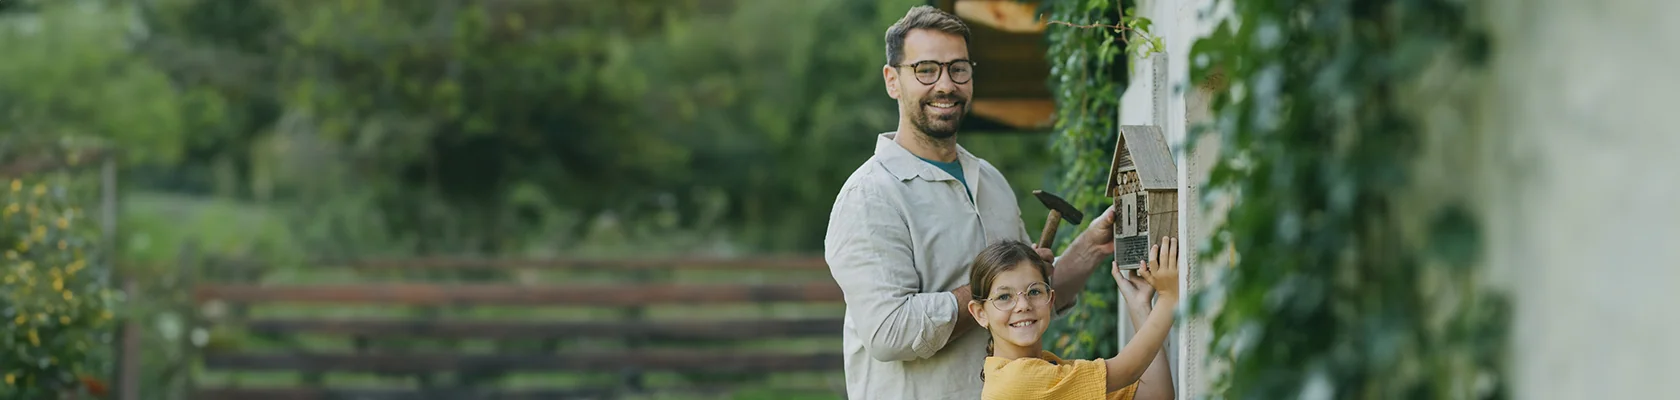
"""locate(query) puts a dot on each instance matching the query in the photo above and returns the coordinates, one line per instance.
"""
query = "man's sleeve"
(868, 252)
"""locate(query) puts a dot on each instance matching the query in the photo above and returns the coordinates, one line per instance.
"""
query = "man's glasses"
(927, 72)
(1037, 295)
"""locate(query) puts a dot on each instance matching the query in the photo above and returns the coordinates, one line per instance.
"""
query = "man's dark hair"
(921, 17)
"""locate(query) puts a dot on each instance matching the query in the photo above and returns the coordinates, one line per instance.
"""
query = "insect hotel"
(1143, 181)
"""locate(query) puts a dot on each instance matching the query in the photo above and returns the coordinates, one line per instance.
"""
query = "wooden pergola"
(1007, 40)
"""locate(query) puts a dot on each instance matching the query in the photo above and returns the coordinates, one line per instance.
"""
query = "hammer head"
(1068, 211)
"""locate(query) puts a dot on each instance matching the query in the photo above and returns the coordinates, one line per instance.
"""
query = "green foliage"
(68, 74)
(1087, 75)
(55, 308)
(1329, 294)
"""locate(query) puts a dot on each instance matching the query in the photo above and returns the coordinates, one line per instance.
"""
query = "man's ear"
(979, 312)
(890, 75)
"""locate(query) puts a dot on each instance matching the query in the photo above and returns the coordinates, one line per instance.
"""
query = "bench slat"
(644, 360)
(504, 294)
(654, 330)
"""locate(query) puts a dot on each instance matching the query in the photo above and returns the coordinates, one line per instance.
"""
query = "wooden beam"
(1005, 15)
(649, 330)
(600, 361)
(508, 294)
(1023, 114)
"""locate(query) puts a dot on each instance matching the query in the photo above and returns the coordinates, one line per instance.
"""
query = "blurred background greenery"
(297, 130)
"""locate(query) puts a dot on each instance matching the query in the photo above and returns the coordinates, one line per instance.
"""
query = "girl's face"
(1017, 310)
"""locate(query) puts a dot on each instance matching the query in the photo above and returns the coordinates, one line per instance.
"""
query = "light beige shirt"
(900, 237)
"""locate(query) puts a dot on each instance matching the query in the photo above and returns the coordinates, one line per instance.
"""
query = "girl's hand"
(1162, 269)
(1133, 288)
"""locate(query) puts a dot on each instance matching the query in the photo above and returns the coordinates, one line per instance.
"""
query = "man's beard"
(935, 127)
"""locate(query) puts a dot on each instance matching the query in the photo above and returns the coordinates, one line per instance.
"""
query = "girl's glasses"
(1037, 295)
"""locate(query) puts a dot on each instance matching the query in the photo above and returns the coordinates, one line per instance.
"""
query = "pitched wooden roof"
(1145, 147)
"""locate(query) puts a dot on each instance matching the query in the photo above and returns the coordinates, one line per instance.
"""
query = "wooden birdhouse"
(1143, 181)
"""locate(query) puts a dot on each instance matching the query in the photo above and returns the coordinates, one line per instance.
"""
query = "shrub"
(55, 310)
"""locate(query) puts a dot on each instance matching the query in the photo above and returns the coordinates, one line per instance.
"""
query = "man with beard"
(906, 224)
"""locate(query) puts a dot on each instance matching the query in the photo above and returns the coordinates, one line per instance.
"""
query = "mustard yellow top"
(1049, 378)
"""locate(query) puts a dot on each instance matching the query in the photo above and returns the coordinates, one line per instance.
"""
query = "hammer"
(1059, 209)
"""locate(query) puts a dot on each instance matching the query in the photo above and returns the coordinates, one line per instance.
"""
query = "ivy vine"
(1328, 295)
(1088, 45)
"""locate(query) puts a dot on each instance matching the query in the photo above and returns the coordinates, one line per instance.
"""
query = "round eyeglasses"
(1036, 295)
(928, 72)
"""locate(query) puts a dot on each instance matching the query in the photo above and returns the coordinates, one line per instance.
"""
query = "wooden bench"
(626, 346)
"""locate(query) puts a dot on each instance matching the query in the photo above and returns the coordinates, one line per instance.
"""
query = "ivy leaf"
(1455, 237)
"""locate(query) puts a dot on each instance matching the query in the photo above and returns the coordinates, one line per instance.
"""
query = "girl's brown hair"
(998, 258)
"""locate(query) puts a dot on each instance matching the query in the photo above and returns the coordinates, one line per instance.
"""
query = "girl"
(1012, 300)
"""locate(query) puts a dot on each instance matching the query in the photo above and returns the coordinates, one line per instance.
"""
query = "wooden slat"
(768, 263)
(599, 361)
(503, 294)
(653, 330)
(281, 393)
(284, 393)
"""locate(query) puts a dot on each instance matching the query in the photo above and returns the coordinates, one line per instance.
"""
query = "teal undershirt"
(955, 169)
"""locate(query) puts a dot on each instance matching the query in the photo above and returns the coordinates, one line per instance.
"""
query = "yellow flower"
(40, 189)
(106, 315)
(17, 185)
(23, 246)
(11, 379)
(58, 284)
(34, 340)
(75, 266)
(63, 223)
(40, 232)
(63, 245)
(21, 319)
(68, 296)
(64, 320)
(41, 317)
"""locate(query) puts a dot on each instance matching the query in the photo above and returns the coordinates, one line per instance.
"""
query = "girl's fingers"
(1172, 251)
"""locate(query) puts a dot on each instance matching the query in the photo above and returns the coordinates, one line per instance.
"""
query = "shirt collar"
(906, 166)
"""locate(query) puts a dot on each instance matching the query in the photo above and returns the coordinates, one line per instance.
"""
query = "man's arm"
(868, 252)
(965, 321)
(1074, 267)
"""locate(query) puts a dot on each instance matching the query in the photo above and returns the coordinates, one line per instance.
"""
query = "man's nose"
(945, 84)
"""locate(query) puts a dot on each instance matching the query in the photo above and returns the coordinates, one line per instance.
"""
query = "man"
(910, 219)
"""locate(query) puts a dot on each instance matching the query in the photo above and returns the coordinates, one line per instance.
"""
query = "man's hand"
(1098, 238)
(1046, 254)
(1136, 291)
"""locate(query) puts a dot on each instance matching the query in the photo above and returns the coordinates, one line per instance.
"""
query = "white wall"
(1581, 193)
(1178, 26)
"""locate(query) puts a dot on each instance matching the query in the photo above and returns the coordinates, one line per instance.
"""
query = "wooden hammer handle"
(1050, 226)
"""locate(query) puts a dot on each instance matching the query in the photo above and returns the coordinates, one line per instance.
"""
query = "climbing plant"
(1329, 294)
(1088, 44)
